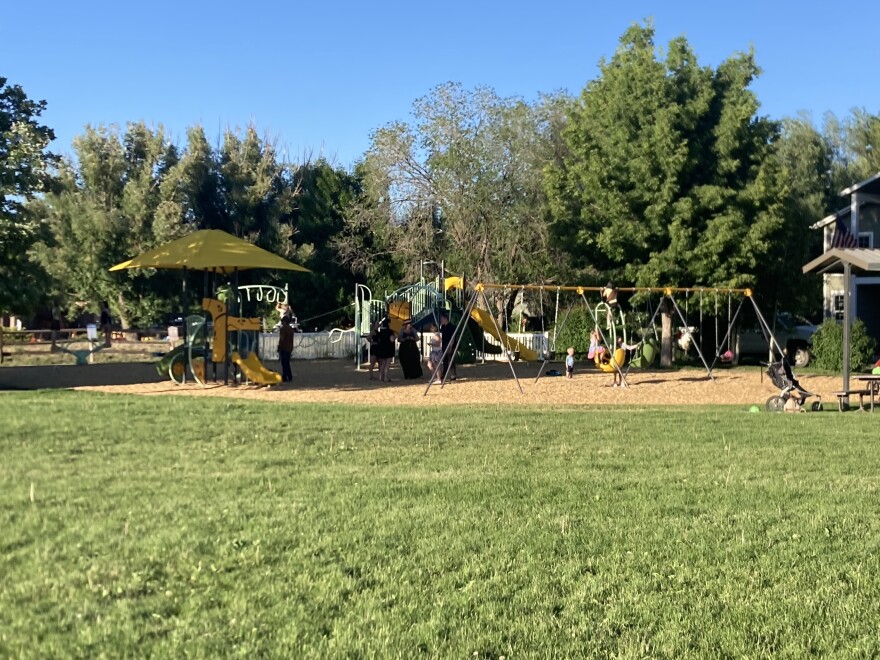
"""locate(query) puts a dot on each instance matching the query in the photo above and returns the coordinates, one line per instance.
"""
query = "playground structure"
(231, 336)
(213, 252)
(610, 327)
(423, 302)
(82, 355)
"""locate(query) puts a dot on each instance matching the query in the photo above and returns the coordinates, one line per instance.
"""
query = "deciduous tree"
(25, 173)
(462, 183)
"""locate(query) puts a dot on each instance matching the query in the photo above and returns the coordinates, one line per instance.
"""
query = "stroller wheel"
(775, 404)
(817, 406)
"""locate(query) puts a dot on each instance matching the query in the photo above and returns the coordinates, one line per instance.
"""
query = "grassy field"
(213, 528)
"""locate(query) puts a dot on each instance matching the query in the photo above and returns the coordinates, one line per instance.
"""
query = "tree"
(854, 146)
(805, 164)
(324, 194)
(128, 193)
(25, 172)
(668, 175)
(460, 183)
(112, 204)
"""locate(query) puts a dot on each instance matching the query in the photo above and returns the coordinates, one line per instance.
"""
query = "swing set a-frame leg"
(696, 343)
(459, 333)
(482, 293)
(452, 348)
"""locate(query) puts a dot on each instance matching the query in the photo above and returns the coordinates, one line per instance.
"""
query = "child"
(569, 362)
(595, 348)
(436, 354)
(609, 295)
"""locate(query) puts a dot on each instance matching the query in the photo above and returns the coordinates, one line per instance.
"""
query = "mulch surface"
(338, 381)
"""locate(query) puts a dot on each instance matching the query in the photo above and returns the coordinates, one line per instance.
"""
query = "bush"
(828, 346)
(575, 332)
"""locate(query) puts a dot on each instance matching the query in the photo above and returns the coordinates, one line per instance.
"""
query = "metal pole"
(847, 323)
(185, 349)
(357, 329)
(459, 331)
(498, 330)
(771, 337)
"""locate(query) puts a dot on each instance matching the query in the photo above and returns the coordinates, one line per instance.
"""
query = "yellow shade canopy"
(209, 249)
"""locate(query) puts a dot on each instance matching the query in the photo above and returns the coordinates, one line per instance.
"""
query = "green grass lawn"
(135, 526)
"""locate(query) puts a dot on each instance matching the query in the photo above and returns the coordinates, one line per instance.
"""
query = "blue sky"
(320, 77)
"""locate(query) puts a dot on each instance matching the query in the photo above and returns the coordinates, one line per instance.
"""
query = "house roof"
(871, 186)
(827, 220)
(860, 259)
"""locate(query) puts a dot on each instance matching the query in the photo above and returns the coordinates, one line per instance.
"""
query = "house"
(856, 226)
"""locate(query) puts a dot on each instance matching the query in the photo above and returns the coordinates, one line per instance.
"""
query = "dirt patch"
(338, 381)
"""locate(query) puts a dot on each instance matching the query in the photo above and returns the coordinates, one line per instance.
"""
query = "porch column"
(847, 321)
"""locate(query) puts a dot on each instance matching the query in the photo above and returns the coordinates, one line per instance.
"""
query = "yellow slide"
(484, 319)
(255, 371)
(452, 283)
(398, 312)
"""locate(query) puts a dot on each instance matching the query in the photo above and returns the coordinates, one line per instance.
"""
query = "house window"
(866, 239)
(837, 304)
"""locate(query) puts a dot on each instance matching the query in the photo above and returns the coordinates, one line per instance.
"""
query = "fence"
(536, 341)
(312, 345)
(343, 344)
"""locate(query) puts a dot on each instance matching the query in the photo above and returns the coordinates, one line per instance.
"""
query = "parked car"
(792, 332)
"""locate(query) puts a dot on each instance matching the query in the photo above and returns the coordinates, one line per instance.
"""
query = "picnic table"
(873, 385)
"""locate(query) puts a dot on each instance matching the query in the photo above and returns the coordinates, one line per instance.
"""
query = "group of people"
(382, 342)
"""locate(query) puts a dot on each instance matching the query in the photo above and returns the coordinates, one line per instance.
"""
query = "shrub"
(828, 346)
(575, 332)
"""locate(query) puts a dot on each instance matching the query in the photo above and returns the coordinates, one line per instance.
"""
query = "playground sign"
(261, 292)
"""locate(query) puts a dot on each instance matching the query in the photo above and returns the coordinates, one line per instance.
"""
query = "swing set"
(611, 328)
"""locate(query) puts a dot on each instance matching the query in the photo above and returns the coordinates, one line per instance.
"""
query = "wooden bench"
(845, 394)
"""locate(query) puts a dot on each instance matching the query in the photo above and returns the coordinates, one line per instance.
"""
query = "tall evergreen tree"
(667, 175)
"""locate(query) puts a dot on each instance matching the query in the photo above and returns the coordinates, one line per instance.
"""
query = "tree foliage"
(25, 172)
(126, 193)
(325, 193)
(668, 174)
(113, 202)
(459, 183)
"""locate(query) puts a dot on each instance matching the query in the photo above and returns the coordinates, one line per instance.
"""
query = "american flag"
(843, 238)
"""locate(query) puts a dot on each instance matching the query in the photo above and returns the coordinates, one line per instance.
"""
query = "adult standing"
(447, 333)
(285, 348)
(372, 347)
(106, 321)
(385, 350)
(410, 358)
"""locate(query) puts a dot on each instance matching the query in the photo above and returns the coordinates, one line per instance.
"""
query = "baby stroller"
(782, 377)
